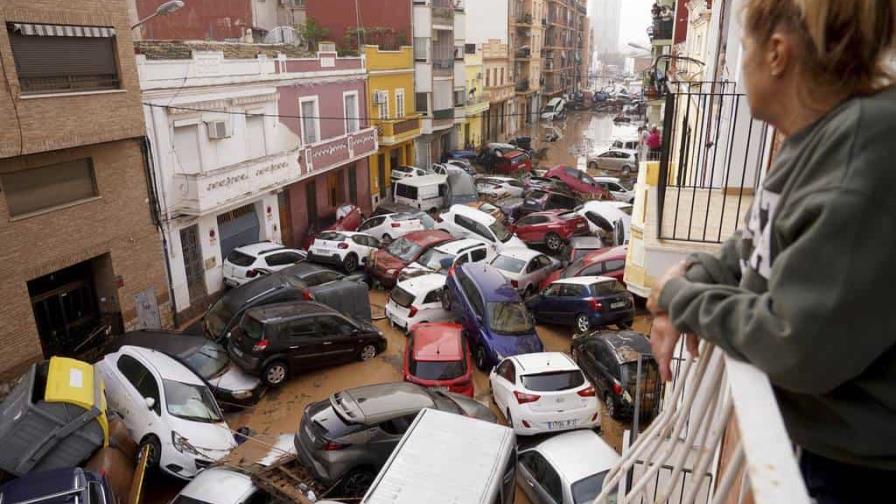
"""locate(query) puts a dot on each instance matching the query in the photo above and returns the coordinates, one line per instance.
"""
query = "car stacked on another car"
(248, 262)
(402, 172)
(347, 218)
(465, 222)
(584, 303)
(416, 300)
(553, 228)
(580, 246)
(350, 436)
(167, 409)
(347, 249)
(276, 340)
(547, 184)
(609, 262)
(394, 225)
(386, 264)
(524, 268)
(442, 257)
(614, 186)
(610, 361)
(540, 201)
(543, 392)
(578, 180)
(496, 187)
(437, 356)
(495, 320)
(607, 220)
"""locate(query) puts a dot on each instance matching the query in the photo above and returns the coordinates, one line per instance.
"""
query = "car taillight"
(588, 392)
(596, 305)
(413, 311)
(251, 273)
(342, 246)
(307, 295)
(333, 446)
(617, 388)
(515, 284)
(261, 345)
(523, 398)
(396, 225)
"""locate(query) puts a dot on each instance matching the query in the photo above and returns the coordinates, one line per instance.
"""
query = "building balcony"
(475, 106)
(662, 30)
(332, 152)
(522, 86)
(497, 94)
(205, 192)
(442, 16)
(523, 20)
(396, 131)
(522, 53)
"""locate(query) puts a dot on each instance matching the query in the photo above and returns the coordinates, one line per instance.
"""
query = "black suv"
(303, 281)
(275, 340)
(610, 361)
(540, 200)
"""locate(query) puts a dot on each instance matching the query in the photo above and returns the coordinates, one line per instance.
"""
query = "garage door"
(237, 227)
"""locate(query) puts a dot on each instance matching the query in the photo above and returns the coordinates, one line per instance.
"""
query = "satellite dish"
(283, 35)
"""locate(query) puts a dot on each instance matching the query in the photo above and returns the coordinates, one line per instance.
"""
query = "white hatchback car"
(391, 226)
(166, 407)
(442, 257)
(400, 172)
(248, 262)
(466, 222)
(568, 468)
(607, 221)
(499, 187)
(221, 486)
(543, 392)
(415, 300)
(524, 268)
(348, 249)
(616, 189)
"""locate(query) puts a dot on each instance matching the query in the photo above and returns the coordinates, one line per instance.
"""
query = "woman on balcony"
(804, 291)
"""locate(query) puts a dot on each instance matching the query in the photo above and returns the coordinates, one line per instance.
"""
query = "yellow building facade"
(390, 108)
(476, 103)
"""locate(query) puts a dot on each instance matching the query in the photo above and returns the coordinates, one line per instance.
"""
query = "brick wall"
(117, 223)
(63, 121)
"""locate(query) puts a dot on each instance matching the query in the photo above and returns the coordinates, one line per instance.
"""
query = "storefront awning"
(48, 30)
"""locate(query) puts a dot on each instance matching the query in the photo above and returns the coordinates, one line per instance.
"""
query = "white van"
(555, 109)
(445, 458)
(426, 192)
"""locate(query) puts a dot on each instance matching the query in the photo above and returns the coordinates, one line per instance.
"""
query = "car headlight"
(182, 445)
(241, 394)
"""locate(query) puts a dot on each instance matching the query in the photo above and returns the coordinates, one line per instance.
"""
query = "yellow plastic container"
(74, 382)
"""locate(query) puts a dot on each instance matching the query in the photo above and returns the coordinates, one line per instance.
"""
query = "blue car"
(58, 485)
(584, 302)
(495, 320)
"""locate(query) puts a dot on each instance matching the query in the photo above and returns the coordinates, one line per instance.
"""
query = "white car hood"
(233, 379)
(213, 440)
(513, 242)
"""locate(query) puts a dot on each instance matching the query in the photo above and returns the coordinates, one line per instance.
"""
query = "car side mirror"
(150, 402)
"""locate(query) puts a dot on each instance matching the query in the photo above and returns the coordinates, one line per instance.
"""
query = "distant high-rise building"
(605, 18)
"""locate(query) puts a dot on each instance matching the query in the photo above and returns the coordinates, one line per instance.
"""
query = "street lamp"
(163, 10)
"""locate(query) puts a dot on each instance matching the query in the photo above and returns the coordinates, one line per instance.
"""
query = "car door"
(363, 246)
(339, 339)
(543, 267)
(614, 268)
(539, 480)
(386, 435)
(431, 308)
(569, 305)
(139, 384)
(503, 384)
(302, 339)
(530, 228)
(548, 303)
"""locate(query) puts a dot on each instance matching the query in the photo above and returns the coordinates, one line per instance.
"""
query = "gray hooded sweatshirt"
(805, 291)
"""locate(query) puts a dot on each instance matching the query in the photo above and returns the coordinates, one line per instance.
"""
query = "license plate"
(618, 304)
(562, 424)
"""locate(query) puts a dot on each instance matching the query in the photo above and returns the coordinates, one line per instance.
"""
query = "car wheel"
(624, 325)
(350, 263)
(446, 300)
(356, 482)
(481, 358)
(592, 166)
(553, 241)
(155, 451)
(626, 170)
(275, 373)
(367, 352)
(583, 324)
(611, 406)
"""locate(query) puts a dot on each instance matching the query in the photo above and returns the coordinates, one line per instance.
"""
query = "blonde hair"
(844, 44)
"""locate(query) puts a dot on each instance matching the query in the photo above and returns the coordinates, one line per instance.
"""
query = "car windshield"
(501, 232)
(217, 317)
(509, 318)
(252, 327)
(606, 288)
(507, 263)
(580, 253)
(553, 381)
(208, 360)
(240, 259)
(536, 195)
(437, 370)
(433, 258)
(404, 249)
(191, 402)
(331, 236)
(587, 489)
(401, 297)
(573, 269)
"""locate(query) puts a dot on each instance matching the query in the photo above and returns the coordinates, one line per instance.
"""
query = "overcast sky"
(635, 20)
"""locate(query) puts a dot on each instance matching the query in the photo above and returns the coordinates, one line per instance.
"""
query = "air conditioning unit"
(380, 97)
(218, 129)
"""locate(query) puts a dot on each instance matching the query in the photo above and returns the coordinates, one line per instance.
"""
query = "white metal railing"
(714, 400)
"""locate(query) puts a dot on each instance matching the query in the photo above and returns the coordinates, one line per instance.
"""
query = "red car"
(609, 262)
(577, 180)
(437, 356)
(512, 162)
(386, 264)
(348, 217)
(551, 227)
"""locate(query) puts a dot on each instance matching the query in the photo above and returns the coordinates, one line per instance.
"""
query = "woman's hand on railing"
(663, 334)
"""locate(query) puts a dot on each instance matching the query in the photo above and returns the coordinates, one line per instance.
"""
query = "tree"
(313, 33)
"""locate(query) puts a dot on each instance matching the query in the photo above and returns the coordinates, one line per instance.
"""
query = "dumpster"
(55, 417)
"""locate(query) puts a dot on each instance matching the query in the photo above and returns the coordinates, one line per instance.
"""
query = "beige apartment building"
(528, 23)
